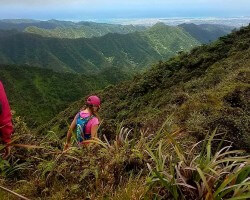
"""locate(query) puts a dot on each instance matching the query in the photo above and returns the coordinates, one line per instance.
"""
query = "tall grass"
(150, 166)
(223, 174)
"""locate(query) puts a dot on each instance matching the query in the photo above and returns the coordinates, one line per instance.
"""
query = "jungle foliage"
(40, 94)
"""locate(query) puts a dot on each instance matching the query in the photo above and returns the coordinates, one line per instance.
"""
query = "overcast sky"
(98, 9)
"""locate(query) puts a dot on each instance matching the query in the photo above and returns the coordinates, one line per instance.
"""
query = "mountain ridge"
(133, 50)
(67, 29)
(206, 33)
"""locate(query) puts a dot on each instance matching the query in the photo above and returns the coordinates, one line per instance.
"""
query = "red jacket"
(6, 127)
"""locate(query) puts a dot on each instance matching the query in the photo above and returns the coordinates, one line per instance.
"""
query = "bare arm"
(71, 129)
(94, 131)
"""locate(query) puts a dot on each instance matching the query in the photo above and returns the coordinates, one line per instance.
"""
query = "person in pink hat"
(86, 122)
(6, 127)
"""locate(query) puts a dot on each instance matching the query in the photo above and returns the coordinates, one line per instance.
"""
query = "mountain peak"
(188, 24)
(159, 24)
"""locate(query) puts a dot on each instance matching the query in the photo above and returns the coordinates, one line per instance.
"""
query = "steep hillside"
(67, 29)
(189, 95)
(206, 88)
(37, 95)
(206, 33)
(168, 40)
(130, 51)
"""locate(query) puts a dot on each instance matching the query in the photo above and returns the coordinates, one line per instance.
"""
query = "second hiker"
(85, 122)
(6, 127)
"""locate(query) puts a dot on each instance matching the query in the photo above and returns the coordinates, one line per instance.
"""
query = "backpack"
(81, 124)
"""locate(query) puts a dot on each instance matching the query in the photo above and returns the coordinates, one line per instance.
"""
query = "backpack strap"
(88, 119)
(87, 136)
(81, 127)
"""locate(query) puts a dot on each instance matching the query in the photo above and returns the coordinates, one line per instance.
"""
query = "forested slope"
(38, 95)
(132, 51)
(203, 89)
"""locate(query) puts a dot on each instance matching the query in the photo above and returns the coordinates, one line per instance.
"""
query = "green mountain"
(22, 24)
(127, 51)
(40, 94)
(67, 29)
(168, 40)
(189, 95)
(83, 30)
(206, 33)
(200, 90)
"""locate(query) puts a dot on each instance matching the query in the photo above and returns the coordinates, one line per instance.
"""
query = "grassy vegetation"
(151, 166)
(201, 174)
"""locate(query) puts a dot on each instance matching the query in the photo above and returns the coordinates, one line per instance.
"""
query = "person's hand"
(7, 152)
(66, 146)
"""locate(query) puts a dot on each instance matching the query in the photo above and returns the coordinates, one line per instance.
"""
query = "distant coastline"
(229, 21)
(236, 22)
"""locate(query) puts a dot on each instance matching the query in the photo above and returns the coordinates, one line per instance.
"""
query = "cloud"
(30, 3)
(72, 9)
(40, 2)
(101, 2)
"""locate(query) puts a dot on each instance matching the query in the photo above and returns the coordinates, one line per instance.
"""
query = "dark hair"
(90, 107)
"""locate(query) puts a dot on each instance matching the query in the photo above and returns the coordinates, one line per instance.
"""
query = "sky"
(101, 9)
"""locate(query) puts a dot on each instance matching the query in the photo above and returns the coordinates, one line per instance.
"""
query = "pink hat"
(94, 100)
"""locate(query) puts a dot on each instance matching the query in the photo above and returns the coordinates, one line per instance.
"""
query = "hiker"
(86, 122)
(6, 127)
